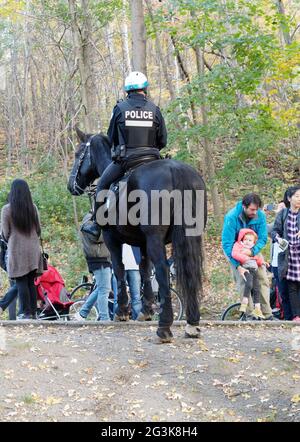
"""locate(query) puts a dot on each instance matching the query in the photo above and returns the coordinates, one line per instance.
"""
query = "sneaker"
(252, 317)
(296, 319)
(243, 308)
(23, 317)
(258, 313)
(271, 318)
(78, 317)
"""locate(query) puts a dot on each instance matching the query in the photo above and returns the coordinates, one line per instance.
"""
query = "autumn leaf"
(296, 398)
(234, 360)
(53, 400)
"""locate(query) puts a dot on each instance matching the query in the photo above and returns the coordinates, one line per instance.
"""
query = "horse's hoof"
(144, 317)
(158, 340)
(121, 318)
(192, 331)
(164, 336)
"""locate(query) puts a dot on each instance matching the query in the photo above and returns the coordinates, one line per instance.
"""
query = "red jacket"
(52, 283)
(237, 250)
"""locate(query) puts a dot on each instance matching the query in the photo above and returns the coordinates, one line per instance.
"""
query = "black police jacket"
(137, 122)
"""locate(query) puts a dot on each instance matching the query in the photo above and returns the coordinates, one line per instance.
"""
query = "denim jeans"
(133, 279)
(99, 295)
(10, 297)
(114, 285)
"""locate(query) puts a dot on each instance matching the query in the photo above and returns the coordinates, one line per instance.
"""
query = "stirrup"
(92, 229)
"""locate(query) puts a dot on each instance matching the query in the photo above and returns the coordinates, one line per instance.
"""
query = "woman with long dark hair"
(286, 232)
(21, 229)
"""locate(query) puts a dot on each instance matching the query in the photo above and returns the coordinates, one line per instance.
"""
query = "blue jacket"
(234, 221)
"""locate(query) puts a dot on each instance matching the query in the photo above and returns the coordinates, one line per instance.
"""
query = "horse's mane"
(101, 148)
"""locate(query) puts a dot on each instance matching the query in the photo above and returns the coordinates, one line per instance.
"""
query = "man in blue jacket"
(247, 214)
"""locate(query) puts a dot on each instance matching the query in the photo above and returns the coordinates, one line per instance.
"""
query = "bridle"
(86, 150)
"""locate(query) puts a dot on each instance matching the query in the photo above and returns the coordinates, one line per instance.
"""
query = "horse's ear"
(81, 135)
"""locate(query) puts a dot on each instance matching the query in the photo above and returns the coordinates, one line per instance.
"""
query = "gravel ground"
(118, 373)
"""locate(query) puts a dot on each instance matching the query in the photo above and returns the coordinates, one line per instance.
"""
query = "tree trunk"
(208, 148)
(162, 58)
(112, 59)
(11, 120)
(88, 55)
(138, 36)
(125, 45)
(80, 41)
(284, 30)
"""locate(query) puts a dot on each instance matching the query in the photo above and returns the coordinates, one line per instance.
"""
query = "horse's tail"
(187, 249)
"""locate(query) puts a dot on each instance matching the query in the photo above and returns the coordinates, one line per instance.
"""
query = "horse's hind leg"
(157, 254)
(192, 329)
(115, 248)
(148, 298)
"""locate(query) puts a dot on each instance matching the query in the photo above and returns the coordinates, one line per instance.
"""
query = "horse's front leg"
(157, 254)
(148, 297)
(115, 248)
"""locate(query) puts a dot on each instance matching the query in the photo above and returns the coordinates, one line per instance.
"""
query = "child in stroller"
(53, 299)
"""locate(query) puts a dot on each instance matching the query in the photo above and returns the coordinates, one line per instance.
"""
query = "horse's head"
(84, 171)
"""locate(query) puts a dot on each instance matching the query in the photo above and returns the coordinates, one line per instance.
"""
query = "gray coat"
(95, 251)
(24, 254)
(280, 228)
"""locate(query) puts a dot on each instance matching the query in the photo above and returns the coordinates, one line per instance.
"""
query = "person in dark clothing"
(137, 129)
(281, 284)
(10, 298)
(286, 232)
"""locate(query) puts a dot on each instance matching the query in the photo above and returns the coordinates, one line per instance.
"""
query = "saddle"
(130, 164)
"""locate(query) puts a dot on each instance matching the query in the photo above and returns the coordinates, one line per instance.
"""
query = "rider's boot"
(92, 228)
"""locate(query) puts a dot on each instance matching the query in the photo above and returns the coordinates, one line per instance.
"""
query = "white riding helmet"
(135, 80)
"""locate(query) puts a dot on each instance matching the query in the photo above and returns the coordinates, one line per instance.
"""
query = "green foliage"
(213, 229)
(220, 279)
(105, 11)
(248, 117)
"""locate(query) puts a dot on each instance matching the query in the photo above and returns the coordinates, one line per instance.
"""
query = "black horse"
(91, 159)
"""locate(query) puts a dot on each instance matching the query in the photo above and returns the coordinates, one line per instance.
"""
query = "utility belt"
(119, 153)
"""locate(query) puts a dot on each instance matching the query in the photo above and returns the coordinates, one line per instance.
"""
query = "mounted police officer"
(137, 130)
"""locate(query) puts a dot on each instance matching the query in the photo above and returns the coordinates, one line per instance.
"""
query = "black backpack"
(3, 250)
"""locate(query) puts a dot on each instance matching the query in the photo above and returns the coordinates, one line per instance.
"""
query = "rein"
(87, 149)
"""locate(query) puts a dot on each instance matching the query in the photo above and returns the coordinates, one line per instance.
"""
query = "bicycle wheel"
(82, 291)
(177, 306)
(232, 313)
(75, 308)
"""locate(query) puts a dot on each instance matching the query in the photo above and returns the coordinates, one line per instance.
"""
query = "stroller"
(53, 299)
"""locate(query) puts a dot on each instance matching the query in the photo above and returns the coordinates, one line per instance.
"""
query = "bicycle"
(81, 293)
(232, 313)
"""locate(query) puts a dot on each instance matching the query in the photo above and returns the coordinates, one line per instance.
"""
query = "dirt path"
(118, 374)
